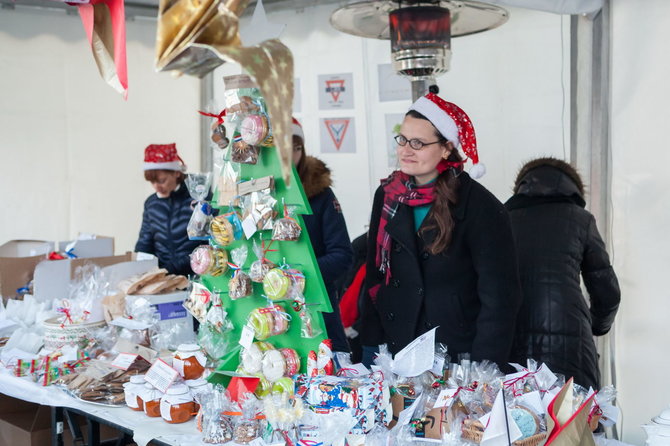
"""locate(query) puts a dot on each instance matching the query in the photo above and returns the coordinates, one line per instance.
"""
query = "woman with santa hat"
(168, 211)
(440, 247)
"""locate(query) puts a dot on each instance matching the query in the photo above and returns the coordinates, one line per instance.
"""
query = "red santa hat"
(163, 157)
(297, 129)
(454, 124)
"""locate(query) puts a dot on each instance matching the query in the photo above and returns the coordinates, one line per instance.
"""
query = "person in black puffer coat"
(167, 212)
(557, 240)
(327, 231)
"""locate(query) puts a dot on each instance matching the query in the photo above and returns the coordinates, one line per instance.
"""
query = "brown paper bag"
(113, 306)
(565, 429)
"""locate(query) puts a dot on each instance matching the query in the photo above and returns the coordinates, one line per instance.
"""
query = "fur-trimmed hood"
(549, 177)
(315, 176)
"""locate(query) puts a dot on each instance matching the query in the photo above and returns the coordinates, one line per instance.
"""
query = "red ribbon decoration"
(511, 383)
(219, 117)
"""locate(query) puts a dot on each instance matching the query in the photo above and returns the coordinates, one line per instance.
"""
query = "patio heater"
(420, 31)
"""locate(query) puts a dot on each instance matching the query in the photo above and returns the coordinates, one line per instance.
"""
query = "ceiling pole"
(590, 150)
(420, 87)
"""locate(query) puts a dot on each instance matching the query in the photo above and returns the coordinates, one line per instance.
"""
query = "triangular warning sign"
(335, 87)
(337, 129)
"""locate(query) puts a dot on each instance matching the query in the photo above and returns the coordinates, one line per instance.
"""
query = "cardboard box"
(18, 259)
(100, 246)
(170, 308)
(28, 424)
(52, 277)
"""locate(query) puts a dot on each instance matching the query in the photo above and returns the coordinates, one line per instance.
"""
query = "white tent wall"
(640, 199)
(508, 80)
(72, 148)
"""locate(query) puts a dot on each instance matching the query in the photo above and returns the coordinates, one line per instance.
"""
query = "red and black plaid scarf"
(399, 188)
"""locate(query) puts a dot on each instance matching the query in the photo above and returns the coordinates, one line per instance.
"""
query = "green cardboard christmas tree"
(296, 254)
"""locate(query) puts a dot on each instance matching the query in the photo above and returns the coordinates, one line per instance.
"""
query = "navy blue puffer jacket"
(330, 240)
(163, 231)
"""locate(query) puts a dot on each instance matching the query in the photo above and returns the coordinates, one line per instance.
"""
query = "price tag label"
(438, 365)
(445, 397)
(161, 375)
(123, 361)
(247, 337)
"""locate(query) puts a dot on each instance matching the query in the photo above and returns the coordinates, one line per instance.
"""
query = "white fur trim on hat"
(172, 165)
(477, 171)
(297, 131)
(439, 118)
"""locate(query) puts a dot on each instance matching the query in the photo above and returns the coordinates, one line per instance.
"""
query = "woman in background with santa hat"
(440, 246)
(327, 231)
(167, 212)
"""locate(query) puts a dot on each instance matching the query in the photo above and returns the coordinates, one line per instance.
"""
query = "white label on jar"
(131, 398)
(178, 365)
(165, 410)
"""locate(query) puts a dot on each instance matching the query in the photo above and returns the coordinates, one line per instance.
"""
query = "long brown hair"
(446, 194)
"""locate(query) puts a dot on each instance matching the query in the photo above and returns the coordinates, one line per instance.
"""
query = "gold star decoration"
(195, 37)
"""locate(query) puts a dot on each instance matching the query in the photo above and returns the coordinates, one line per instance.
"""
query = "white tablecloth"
(144, 428)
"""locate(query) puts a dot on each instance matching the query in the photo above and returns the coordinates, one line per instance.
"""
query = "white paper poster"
(417, 357)
(392, 86)
(338, 135)
(391, 125)
(336, 91)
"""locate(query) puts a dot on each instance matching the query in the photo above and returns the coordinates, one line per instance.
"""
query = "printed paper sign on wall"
(392, 86)
(338, 135)
(391, 121)
(336, 91)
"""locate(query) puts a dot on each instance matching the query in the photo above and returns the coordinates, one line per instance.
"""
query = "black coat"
(557, 240)
(163, 231)
(471, 291)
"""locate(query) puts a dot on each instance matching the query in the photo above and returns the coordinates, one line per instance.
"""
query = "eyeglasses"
(413, 143)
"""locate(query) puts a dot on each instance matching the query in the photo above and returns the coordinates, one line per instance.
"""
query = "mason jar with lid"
(177, 405)
(151, 400)
(198, 387)
(132, 390)
(189, 361)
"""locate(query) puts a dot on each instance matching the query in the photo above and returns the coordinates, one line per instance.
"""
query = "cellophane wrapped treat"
(198, 185)
(308, 329)
(216, 416)
(267, 321)
(243, 152)
(198, 301)
(222, 230)
(239, 285)
(248, 426)
(226, 183)
(202, 260)
(261, 266)
(87, 290)
(283, 414)
(286, 228)
(257, 212)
